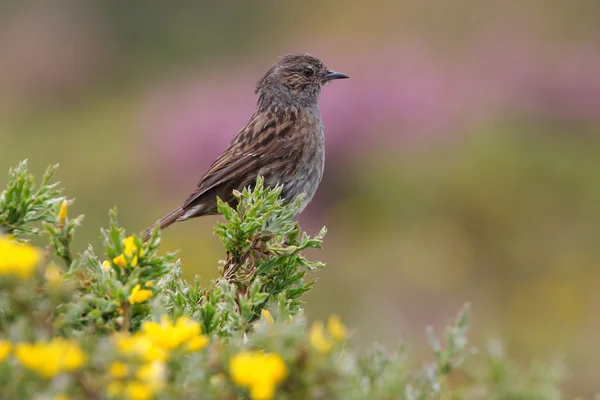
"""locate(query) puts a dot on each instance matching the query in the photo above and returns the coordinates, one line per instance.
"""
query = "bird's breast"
(306, 160)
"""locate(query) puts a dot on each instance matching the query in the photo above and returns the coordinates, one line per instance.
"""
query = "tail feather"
(165, 221)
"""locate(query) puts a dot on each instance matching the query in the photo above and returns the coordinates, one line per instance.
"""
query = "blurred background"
(463, 154)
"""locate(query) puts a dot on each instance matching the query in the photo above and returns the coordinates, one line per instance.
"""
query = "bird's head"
(296, 79)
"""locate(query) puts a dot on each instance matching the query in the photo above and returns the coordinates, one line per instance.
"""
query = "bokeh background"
(463, 154)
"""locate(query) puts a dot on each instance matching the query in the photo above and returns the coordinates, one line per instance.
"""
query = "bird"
(283, 142)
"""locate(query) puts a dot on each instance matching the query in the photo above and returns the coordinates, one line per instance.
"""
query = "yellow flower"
(197, 343)
(18, 260)
(73, 357)
(139, 295)
(140, 346)
(61, 397)
(129, 255)
(258, 372)
(138, 391)
(62, 214)
(262, 391)
(152, 373)
(50, 358)
(149, 378)
(318, 339)
(5, 347)
(106, 266)
(266, 315)
(38, 357)
(149, 284)
(118, 369)
(168, 335)
(53, 274)
(130, 246)
(131, 250)
(120, 261)
(336, 329)
(155, 340)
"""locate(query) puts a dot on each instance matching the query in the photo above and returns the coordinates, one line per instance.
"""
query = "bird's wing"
(259, 143)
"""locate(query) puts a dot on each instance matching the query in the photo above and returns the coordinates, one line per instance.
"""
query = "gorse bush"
(122, 324)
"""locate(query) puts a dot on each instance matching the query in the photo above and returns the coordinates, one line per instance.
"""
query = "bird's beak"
(330, 75)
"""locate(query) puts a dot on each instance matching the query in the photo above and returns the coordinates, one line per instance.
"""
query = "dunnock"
(283, 141)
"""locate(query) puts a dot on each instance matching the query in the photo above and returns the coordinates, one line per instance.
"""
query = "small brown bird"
(283, 141)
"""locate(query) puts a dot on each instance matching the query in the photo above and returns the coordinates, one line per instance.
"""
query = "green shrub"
(125, 325)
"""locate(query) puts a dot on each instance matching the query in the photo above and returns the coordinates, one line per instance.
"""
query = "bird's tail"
(165, 221)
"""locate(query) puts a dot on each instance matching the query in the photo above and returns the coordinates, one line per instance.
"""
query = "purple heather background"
(463, 154)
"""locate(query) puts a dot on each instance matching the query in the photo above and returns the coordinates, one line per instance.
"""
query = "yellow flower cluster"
(148, 379)
(139, 346)
(139, 295)
(169, 336)
(259, 372)
(336, 332)
(50, 358)
(131, 252)
(18, 260)
(155, 340)
(151, 347)
(118, 369)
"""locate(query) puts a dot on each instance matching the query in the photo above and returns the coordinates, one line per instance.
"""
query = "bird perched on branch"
(283, 141)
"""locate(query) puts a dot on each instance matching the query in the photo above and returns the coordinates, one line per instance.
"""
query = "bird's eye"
(308, 71)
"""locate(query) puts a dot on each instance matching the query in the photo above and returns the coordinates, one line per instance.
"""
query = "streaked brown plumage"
(283, 141)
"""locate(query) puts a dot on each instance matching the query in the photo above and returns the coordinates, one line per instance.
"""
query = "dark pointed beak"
(330, 75)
